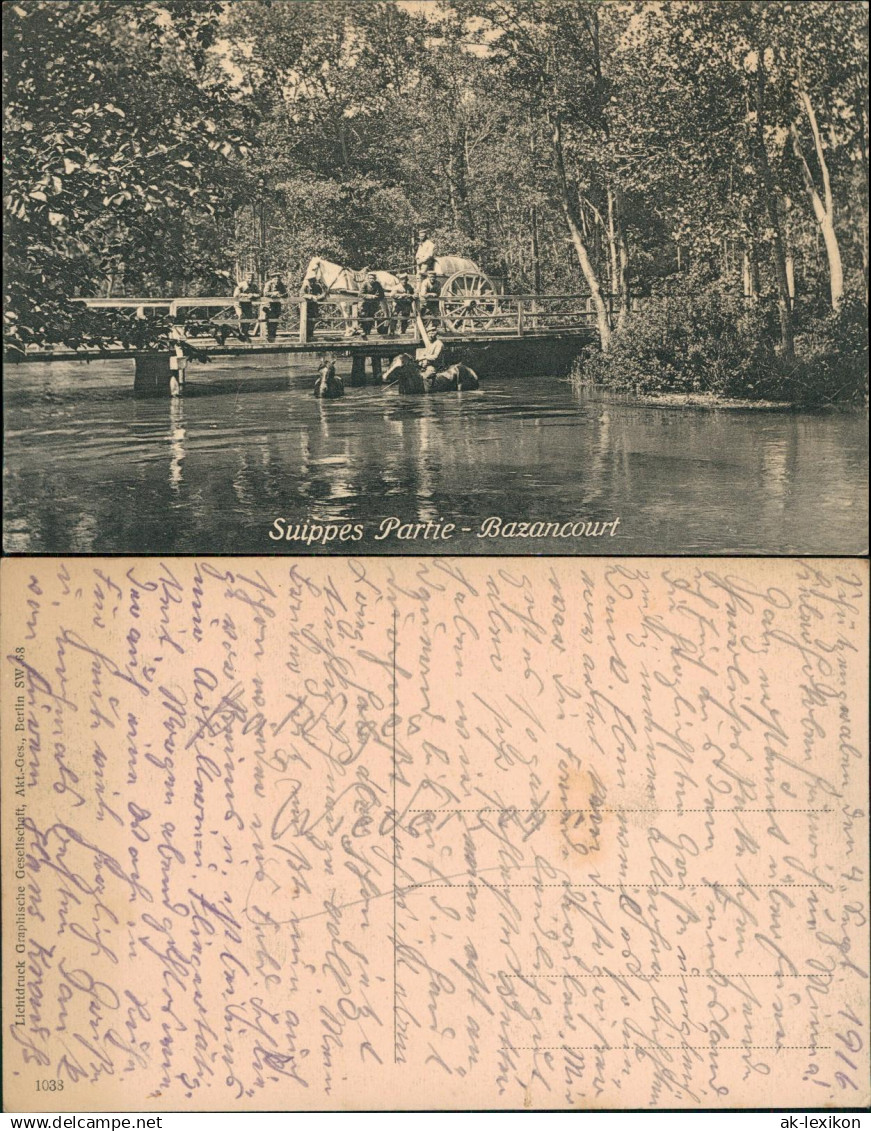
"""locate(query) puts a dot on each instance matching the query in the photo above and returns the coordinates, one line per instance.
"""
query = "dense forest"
(704, 163)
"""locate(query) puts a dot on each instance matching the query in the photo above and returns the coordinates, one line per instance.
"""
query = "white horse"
(345, 282)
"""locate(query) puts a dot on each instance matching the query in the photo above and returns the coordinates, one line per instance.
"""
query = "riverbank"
(685, 400)
(708, 401)
(705, 346)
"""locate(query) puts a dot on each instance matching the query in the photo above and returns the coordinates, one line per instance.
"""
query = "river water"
(88, 469)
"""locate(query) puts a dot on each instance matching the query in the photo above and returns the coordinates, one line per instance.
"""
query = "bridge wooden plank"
(340, 346)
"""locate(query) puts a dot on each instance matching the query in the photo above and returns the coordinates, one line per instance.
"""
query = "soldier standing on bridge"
(312, 289)
(403, 304)
(429, 300)
(247, 292)
(372, 294)
(424, 257)
(275, 291)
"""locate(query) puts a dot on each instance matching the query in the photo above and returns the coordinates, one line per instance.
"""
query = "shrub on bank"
(694, 336)
(832, 356)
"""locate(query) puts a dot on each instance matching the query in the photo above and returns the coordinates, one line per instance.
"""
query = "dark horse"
(406, 371)
(328, 383)
(456, 378)
(412, 379)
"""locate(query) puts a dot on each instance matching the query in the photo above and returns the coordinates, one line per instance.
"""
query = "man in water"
(424, 257)
(372, 294)
(247, 292)
(431, 357)
(275, 292)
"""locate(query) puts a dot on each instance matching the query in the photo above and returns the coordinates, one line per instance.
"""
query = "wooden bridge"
(493, 331)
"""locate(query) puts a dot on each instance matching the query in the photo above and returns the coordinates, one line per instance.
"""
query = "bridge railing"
(338, 316)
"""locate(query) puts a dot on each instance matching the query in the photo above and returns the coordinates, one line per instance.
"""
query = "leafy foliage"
(118, 140)
(157, 147)
(833, 358)
(693, 335)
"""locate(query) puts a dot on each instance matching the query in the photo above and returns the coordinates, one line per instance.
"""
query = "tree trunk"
(454, 201)
(343, 141)
(619, 254)
(623, 263)
(784, 305)
(862, 119)
(261, 239)
(536, 256)
(823, 206)
(585, 230)
(458, 182)
(573, 221)
(612, 245)
(750, 271)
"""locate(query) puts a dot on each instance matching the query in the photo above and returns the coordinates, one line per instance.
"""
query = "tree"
(120, 135)
(560, 143)
(714, 100)
(825, 49)
(329, 84)
(551, 58)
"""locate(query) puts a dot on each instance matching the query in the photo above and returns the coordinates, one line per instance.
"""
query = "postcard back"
(482, 833)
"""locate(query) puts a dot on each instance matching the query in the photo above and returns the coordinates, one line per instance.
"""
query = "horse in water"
(455, 379)
(412, 379)
(406, 371)
(461, 377)
(329, 384)
(343, 281)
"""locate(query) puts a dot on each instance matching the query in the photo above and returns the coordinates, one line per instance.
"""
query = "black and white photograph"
(460, 277)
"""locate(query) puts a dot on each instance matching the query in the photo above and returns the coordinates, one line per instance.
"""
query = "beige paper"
(481, 833)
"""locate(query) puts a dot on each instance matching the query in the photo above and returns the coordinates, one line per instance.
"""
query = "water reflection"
(176, 442)
(88, 469)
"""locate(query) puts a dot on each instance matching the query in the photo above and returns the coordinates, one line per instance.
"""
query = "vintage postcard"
(443, 833)
(401, 813)
(299, 277)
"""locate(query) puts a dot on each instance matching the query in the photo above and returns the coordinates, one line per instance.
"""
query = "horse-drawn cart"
(467, 298)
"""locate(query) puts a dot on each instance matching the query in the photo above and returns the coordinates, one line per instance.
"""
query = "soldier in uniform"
(403, 304)
(247, 292)
(372, 294)
(429, 300)
(275, 292)
(424, 257)
(312, 289)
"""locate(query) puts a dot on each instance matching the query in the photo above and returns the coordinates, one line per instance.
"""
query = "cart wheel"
(468, 302)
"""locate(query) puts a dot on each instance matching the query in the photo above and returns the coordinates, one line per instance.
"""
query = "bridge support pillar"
(358, 370)
(375, 362)
(153, 376)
